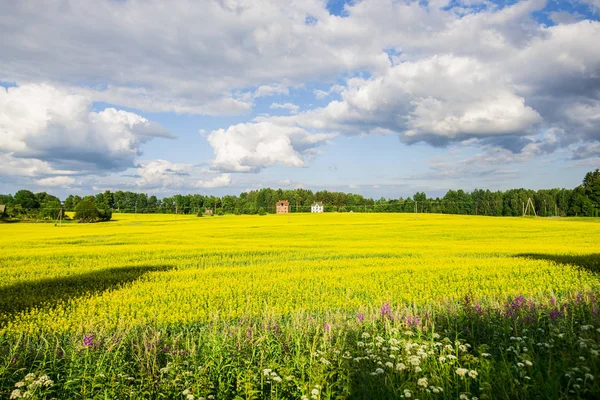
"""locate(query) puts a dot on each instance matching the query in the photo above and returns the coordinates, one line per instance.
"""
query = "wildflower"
(418, 369)
(267, 372)
(485, 355)
(304, 397)
(464, 397)
(277, 378)
(407, 393)
(19, 384)
(422, 382)
(442, 359)
(389, 364)
(408, 333)
(190, 397)
(589, 376)
(473, 374)
(360, 344)
(15, 394)
(315, 392)
(400, 367)
(186, 392)
(365, 335)
(528, 363)
(414, 360)
(461, 371)
(451, 357)
(379, 371)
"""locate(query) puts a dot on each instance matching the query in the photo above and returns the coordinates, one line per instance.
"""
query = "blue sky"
(383, 98)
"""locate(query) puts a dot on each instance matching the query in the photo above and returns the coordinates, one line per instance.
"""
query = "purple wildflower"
(386, 310)
(554, 314)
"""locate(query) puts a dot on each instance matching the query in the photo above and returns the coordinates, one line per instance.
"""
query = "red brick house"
(283, 207)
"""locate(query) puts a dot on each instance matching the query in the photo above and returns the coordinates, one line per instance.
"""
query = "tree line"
(584, 200)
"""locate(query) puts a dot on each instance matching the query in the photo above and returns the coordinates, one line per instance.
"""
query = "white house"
(316, 208)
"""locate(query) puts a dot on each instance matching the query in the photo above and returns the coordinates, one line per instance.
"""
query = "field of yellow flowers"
(301, 306)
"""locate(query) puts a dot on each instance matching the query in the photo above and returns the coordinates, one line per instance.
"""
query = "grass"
(322, 306)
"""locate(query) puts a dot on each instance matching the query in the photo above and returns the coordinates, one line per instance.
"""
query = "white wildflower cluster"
(31, 386)
(462, 372)
(188, 394)
(314, 393)
(404, 354)
(271, 375)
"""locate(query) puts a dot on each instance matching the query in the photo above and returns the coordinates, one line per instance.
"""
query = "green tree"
(591, 184)
(26, 199)
(86, 211)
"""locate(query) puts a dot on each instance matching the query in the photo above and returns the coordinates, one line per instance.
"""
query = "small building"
(283, 207)
(317, 207)
(2, 210)
(208, 211)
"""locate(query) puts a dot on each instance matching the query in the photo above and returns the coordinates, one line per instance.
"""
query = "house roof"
(2, 208)
(318, 203)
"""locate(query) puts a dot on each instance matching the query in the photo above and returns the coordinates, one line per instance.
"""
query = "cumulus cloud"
(47, 125)
(438, 99)
(194, 61)
(466, 94)
(249, 147)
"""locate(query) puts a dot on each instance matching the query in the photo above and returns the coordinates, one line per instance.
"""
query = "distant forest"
(584, 200)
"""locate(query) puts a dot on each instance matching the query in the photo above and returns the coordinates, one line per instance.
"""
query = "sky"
(378, 97)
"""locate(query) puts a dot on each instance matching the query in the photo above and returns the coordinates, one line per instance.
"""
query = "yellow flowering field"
(258, 287)
(233, 266)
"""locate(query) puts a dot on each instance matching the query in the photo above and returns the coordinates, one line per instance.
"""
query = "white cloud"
(193, 61)
(55, 181)
(292, 108)
(321, 94)
(41, 122)
(594, 4)
(252, 146)
(437, 99)
(163, 174)
(222, 180)
(271, 90)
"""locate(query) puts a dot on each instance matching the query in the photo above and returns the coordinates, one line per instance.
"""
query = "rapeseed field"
(301, 306)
